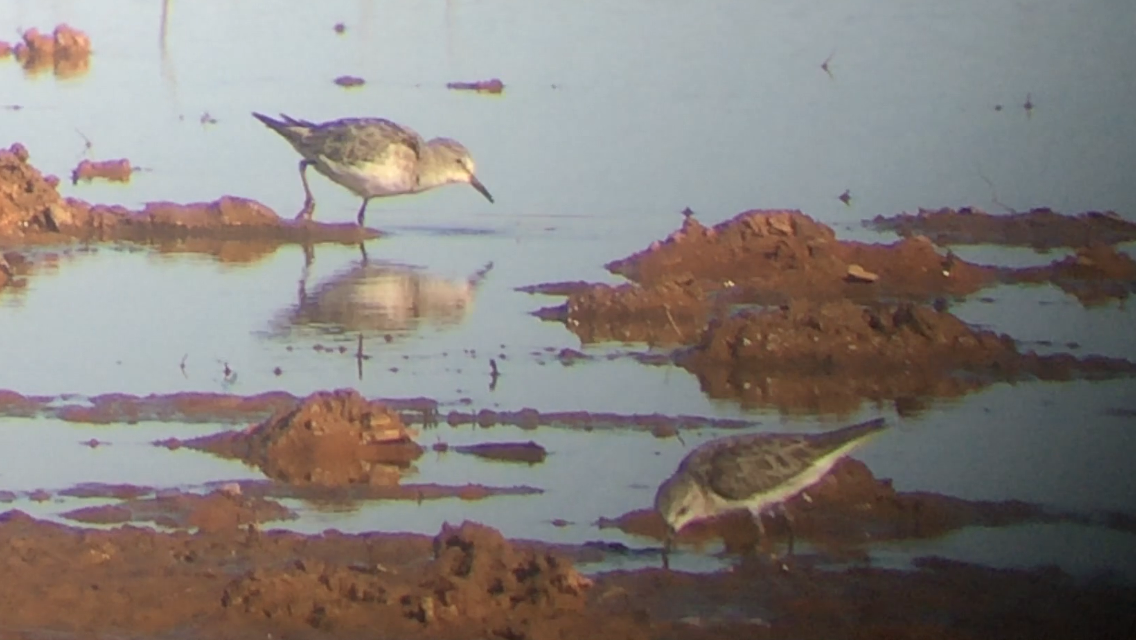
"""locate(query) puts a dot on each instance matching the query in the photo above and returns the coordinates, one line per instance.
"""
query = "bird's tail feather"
(291, 129)
(852, 434)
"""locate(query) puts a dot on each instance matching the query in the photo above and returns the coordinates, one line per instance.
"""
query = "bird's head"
(456, 164)
(680, 501)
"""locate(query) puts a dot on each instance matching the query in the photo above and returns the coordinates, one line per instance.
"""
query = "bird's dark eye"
(682, 511)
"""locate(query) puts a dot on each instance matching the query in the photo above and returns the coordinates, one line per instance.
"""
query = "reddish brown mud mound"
(67, 50)
(771, 257)
(831, 356)
(331, 439)
(764, 254)
(848, 509)
(1037, 228)
(32, 211)
(220, 510)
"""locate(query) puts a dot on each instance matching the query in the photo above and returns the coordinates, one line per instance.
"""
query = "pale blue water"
(616, 116)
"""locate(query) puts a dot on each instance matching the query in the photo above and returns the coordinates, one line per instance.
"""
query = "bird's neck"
(436, 169)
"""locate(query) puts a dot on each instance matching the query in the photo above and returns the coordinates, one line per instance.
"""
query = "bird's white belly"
(371, 179)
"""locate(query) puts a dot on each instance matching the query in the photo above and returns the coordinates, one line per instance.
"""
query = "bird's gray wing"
(360, 140)
(756, 465)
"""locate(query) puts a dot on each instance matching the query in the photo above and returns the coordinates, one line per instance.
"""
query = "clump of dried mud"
(1037, 228)
(330, 439)
(830, 356)
(32, 211)
(67, 50)
(476, 575)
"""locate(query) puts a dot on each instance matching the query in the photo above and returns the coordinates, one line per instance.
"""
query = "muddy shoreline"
(469, 581)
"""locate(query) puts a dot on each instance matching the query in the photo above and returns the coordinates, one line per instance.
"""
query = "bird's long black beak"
(668, 543)
(476, 184)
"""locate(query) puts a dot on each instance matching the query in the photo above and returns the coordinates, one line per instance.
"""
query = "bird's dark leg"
(362, 211)
(668, 543)
(788, 527)
(309, 201)
(363, 252)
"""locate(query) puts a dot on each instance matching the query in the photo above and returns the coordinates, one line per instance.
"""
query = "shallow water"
(615, 117)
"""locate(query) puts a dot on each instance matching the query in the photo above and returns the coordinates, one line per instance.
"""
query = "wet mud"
(772, 257)
(492, 85)
(468, 581)
(1040, 229)
(525, 452)
(224, 509)
(33, 212)
(195, 407)
(329, 439)
(832, 356)
(349, 81)
(66, 50)
(113, 170)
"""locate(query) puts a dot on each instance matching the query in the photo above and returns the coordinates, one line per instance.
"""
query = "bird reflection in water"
(384, 299)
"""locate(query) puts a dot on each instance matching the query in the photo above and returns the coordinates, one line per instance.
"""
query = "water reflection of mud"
(380, 298)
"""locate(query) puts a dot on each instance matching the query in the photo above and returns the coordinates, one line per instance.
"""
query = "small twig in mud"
(229, 373)
(846, 198)
(674, 325)
(687, 213)
(1028, 106)
(208, 119)
(824, 65)
(678, 436)
(994, 194)
(182, 366)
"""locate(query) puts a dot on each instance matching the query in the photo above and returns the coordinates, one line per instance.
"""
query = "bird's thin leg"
(363, 252)
(309, 255)
(788, 527)
(756, 515)
(309, 201)
(362, 211)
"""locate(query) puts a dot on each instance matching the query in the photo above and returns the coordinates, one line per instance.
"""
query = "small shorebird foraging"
(374, 158)
(755, 472)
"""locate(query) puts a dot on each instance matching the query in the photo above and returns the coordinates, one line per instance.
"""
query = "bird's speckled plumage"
(753, 471)
(374, 157)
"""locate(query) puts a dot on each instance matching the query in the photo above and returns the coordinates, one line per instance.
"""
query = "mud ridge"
(1040, 229)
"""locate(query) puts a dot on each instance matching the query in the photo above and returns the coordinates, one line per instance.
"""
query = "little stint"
(755, 472)
(374, 158)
